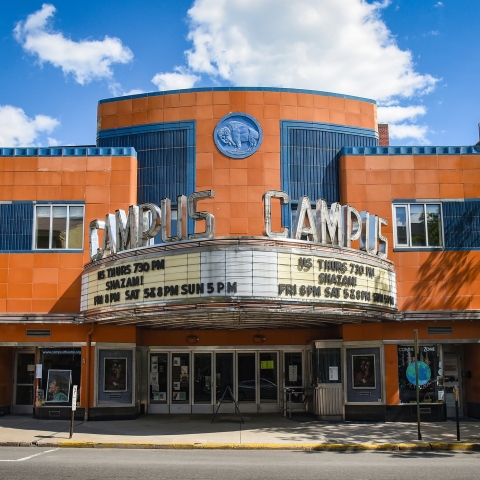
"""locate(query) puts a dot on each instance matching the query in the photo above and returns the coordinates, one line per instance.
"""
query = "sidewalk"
(258, 432)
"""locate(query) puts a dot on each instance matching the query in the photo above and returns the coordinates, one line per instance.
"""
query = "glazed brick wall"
(238, 184)
(426, 280)
(50, 282)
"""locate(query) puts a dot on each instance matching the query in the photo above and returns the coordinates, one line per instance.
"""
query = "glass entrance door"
(202, 382)
(247, 382)
(180, 383)
(24, 382)
(451, 369)
(224, 378)
(268, 363)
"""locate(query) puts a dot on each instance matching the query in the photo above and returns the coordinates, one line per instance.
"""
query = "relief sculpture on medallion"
(238, 135)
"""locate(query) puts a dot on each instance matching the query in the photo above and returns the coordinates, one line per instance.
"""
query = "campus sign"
(337, 225)
(205, 273)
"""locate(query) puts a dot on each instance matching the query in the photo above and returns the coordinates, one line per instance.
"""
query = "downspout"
(87, 376)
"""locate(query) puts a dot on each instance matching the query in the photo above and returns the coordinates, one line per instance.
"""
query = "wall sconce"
(192, 339)
(258, 339)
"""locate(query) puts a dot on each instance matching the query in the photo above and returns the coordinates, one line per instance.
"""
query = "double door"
(195, 381)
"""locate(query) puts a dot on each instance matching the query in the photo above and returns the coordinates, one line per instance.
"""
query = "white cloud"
(86, 60)
(438, 4)
(134, 91)
(180, 78)
(53, 142)
(395, 114)
(408, 131)
(118, 91)
(315, 44)
(17, 129)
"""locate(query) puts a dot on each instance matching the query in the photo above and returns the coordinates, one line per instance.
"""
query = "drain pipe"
(87, 376)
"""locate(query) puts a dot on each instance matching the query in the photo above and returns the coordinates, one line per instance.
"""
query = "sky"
(416, 58)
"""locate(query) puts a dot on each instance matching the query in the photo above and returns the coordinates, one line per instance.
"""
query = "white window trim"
(51, 205)
(407, 205)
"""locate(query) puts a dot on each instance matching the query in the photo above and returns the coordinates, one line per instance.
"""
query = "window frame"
(50, 235)
(409, 245)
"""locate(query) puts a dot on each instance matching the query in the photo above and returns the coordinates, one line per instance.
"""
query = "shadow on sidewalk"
(259, 428)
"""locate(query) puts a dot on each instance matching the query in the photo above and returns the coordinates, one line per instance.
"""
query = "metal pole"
(71, 424)
(74, 407)
(417, 386)
(456, 390)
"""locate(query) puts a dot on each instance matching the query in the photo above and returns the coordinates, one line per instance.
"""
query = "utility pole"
(417, 383)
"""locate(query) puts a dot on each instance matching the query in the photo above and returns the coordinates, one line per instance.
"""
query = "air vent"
(38, 333)
(439, 330)
(54, 413)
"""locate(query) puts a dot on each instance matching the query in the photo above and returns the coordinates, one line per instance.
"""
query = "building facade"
(258, 239)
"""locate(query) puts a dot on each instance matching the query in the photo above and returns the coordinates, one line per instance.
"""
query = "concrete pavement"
(267, 431)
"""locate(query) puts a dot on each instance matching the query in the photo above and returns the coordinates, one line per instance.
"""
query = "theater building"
(253, 238)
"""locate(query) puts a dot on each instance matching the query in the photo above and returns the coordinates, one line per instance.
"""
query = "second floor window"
(418, 225)
(59, 227)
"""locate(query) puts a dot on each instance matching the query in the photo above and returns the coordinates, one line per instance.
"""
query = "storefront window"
(427, 374)
(326, 365)
(61, 369)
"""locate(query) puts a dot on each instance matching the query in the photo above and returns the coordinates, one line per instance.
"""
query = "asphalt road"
(66, 463)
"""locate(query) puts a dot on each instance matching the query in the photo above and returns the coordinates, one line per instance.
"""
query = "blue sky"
(418, 59)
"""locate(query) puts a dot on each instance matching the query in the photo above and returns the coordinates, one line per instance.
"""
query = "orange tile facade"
(426, 280)
(238, 184)
(50, 282)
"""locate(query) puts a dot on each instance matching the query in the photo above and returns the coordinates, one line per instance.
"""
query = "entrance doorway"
(24, 383)
(194, 381)
(452, 376)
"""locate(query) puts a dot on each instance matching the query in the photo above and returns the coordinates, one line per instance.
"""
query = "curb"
(317, 447)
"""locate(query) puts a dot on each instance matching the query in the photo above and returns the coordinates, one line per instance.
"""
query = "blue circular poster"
(424, 373)
(238, 135)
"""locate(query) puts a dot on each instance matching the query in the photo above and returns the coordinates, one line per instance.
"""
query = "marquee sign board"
(341, 277)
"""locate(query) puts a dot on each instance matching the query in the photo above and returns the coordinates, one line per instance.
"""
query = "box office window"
(418, 225)
(59, 227)
(327, 365)
(427, 374)
(61, 369)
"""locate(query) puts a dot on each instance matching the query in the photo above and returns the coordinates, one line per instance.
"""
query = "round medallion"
(238, 135)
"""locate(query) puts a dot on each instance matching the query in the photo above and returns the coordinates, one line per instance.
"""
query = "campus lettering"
(337, 225)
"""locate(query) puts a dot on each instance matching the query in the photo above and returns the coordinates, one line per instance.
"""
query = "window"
(59, 227)
(418, 225)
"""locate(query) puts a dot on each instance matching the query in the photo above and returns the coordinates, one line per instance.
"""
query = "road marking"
(29, 457)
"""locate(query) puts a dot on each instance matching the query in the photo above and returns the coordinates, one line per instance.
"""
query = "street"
(70, 463)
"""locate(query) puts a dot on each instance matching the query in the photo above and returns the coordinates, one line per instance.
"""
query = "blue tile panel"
(16, 221)
(165, 155)
(461, 224)
(237, 89)
(68, 152)
(354, 150)
(310, 159)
